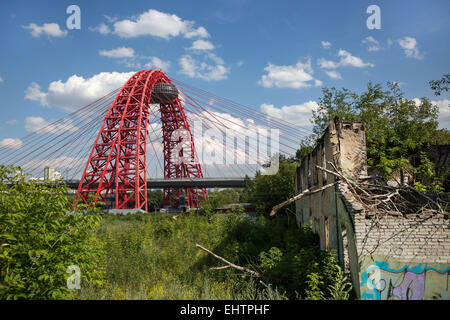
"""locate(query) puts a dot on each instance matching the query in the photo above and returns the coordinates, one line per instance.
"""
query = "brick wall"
(388, 257)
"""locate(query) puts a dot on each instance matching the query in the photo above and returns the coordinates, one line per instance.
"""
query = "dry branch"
(307, 192)
(377, 198)
(381, 199)
(232, 265)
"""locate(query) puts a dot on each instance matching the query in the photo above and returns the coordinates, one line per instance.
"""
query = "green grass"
(153, 256)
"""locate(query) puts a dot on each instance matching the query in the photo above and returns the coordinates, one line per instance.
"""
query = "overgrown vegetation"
(151, 256)
(39, 240)
(154, 257)
(397, 129)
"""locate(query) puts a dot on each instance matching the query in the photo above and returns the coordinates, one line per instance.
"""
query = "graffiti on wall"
(421, 281)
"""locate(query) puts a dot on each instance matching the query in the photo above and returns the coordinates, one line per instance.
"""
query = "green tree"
(396, 127)
(270, 190)
(155, 200)
(39, 239)
(440, 85)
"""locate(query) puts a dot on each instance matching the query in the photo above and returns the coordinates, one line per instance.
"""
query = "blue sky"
(274, 56)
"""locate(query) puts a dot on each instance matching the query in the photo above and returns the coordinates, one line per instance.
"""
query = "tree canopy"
(397, 128)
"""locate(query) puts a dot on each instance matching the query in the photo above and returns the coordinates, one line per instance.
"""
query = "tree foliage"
(396, 127)
(269, 190)
(39, 240)
(438, 86)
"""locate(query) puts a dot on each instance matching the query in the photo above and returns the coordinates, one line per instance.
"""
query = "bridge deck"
(184, 183)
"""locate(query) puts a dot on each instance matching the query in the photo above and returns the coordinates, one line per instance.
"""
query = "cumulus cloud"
(158, 24)
(122, 52)
(333, 74)
(77, 91)
(102, 28)
(40, 125)
(11, 143)
(347, 59)
(299, 115)
(325, 44)
(33, 92)
(202, 45)
(372, 44)
(410, 47)
(155, 62)
(49, 29)
(444, 112)
(293, 76)
(59, 162)
(202, 70)
(219, 125)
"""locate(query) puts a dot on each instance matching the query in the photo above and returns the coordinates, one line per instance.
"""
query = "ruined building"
(390, 255)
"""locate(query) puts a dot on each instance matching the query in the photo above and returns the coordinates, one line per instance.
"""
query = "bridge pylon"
(117, 163)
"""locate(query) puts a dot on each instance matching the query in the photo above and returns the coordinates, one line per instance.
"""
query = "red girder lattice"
(117, 162)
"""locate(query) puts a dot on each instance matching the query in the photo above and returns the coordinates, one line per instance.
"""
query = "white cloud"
(50, 29)
(325, 44)
(122, 52)
(101, 28)
(77, 91)
(372, 43)
(156, 62)
(1, 79)
(202, 45)
(33, 92)
(333, 74)
(222, 123)
(299, 115)
(11, 122)
(444, 112)
(195, 69)
(40, 125)
(409, 46)
(327, 64)
(200, 32)
(347, 59)
(158, 24)
(293, 76)
(215, 58)
(11, 143)
(59, 162)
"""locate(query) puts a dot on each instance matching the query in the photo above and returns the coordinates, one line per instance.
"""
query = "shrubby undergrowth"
(39, 241)
(153, 256)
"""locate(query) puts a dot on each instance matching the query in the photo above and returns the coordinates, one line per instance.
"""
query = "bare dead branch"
(307, 192)
(220, 268)
(382, 199)
(232, 265)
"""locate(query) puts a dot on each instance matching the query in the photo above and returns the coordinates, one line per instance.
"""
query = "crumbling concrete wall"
(389, 257)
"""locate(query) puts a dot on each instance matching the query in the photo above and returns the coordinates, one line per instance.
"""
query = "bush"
(39, 240)
(153, 256)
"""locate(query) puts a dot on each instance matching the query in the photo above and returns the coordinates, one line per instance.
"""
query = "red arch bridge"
(155, 132)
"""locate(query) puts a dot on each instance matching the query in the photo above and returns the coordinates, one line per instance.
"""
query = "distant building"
(51, 175)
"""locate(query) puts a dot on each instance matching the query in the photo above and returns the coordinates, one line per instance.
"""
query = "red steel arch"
(118, 160)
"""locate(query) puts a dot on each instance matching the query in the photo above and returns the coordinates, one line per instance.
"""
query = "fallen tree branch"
(307, 192)
(220, 268)
(232, 265)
